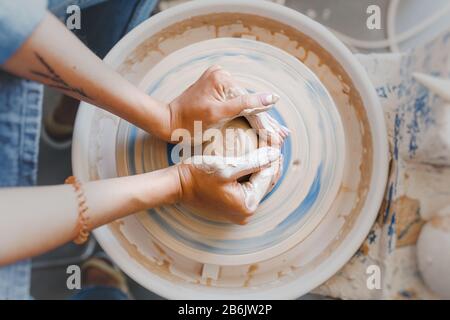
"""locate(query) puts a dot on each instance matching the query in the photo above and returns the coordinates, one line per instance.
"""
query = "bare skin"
(209, 95)
(66, 64)
(211, 184)
(37, 219)
(48, 217)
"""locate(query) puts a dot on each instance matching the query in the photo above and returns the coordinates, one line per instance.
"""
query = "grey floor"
(55, 165)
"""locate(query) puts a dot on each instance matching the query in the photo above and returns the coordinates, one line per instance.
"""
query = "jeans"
(103, 23)
(100, 293)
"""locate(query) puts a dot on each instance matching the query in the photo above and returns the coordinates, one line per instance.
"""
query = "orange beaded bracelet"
(83, 219)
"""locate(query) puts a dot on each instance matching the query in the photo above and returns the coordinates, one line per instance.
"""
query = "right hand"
(214, 99)
(210, 183)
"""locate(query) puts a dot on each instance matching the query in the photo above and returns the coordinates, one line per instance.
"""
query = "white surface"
(317, 141)
(285, 289)
(433, 257)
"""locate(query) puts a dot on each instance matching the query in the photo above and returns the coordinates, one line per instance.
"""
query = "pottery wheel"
(314, 154)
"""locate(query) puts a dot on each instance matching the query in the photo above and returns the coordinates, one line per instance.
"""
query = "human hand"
(270, 132)
(214, 99)
(210, 183)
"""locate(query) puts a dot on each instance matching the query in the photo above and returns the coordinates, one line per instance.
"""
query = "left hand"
(210, 183)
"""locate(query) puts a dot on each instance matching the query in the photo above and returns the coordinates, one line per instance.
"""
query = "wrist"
(184, 177)
(176, 173)
(173, 117)
(156, 118)
(156, 188)
(166, 124)
(165, 190)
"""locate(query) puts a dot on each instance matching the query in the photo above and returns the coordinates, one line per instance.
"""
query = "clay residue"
(408, 220)
(441, 223)
(251, 270)
(159, 248)
(364, 249)
(162, 268)
(297, 44)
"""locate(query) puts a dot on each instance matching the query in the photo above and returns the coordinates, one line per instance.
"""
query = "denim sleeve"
(18, 19)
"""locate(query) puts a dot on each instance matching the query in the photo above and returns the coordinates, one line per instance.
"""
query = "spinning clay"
(321, 209)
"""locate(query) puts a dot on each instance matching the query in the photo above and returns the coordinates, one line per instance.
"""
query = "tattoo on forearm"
(55, 80)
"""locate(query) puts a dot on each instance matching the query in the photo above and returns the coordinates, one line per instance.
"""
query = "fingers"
(264, 165)
(219, 81)
(279, 128)
(260, 184)
(238, 102)
(249, 104)
(270, 132)
(260, 120)
(251, 162)
(243, 198)
(242, 211)
(214, 165)
(238, 219)
(255, 189)
(232, 168)
(212, 69)
(278, 170)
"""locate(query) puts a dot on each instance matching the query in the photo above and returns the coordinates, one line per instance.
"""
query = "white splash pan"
(344, 227)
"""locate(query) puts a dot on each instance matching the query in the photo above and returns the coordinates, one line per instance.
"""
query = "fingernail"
(269, 98)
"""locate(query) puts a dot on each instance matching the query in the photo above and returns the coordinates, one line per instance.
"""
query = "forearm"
(54, 56)
(36, 220)
(118, 197)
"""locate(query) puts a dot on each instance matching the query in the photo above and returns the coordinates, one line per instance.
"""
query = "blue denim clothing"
(20, 112)
(18, 19)
(100, 293)
(103, 23)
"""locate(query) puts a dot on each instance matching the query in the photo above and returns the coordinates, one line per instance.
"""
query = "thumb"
(260, 184)
(252, 162)
(248, 104)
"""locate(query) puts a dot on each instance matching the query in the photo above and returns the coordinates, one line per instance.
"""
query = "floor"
(49, 282)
